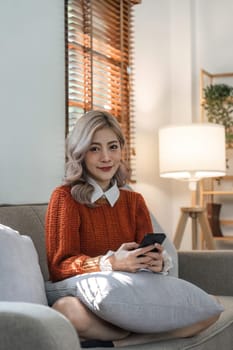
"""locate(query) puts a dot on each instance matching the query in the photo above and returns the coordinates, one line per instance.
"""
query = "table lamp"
(189, 153)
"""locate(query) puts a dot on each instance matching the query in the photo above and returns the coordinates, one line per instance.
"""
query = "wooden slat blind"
(99, 62)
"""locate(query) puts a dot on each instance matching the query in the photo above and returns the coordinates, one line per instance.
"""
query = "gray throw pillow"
(20, 275)
(140, 302)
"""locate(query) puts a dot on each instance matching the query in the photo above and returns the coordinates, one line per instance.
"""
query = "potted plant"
(218, 104)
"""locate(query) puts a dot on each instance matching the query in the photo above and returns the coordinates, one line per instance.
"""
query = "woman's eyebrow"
(113, 141)
(109, 142)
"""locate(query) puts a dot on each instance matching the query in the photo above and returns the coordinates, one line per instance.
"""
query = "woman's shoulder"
(127, 191)
(61, 191)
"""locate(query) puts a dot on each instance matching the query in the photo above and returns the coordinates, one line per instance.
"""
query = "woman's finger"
(129, 246)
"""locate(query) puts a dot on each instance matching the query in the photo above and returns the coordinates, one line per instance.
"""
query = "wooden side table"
(197, 214)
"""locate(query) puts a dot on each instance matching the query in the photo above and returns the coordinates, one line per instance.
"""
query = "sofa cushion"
(140, 302)
(28, 220)
(21, 277)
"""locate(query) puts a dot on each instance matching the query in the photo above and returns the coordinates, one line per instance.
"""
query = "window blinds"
(99, 61)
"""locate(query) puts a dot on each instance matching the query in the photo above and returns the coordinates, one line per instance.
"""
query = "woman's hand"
(156, 263)
(130, 258)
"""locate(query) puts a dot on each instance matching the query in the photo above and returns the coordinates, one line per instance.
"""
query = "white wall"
(32, 99)
(153, 100)
(163, 96)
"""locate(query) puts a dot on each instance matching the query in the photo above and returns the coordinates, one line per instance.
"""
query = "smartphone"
(152, 238)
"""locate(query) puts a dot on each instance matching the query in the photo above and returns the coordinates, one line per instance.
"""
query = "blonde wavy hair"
(78, 143)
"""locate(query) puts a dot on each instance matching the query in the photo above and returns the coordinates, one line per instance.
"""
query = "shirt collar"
(112, 194)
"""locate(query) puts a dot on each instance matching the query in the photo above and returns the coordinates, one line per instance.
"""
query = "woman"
(93, 224)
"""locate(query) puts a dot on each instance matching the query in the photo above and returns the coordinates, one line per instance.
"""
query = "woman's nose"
(105, 155)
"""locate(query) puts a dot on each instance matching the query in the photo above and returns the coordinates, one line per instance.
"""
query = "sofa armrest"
(209, 270)
(26, 326)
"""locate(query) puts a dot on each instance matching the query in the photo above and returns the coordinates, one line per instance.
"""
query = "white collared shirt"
(112, 194)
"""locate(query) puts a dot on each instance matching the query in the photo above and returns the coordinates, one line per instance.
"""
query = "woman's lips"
(105, 169)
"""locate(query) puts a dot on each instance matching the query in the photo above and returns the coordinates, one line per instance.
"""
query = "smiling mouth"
(105, 169)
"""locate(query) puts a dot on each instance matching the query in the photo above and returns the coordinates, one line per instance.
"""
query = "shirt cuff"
(104, 263)
(167, 262)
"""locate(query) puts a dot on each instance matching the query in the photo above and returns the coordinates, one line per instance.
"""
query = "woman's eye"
(114, 146)
(94, 149)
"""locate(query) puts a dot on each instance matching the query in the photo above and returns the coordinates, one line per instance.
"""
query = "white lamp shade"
(192, 151)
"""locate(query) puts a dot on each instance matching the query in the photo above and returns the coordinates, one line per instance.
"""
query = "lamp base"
(197, 214)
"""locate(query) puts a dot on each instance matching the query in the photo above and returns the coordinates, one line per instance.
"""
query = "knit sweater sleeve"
(62, 239)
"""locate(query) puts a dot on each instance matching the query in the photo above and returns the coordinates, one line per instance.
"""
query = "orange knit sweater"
(76, 233)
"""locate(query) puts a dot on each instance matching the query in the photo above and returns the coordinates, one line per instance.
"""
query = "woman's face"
(103, 157)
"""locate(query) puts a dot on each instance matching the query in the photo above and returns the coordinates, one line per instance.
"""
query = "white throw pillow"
(140, 302)
(20, 275)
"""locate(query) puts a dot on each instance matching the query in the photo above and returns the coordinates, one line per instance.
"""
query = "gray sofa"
(25, 326)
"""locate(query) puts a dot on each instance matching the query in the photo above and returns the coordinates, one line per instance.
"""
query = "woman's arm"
(131, 258)
(63, 240)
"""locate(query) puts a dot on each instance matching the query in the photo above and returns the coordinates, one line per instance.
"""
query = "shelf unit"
(216, 189)
(210, 190)
(207, 78)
